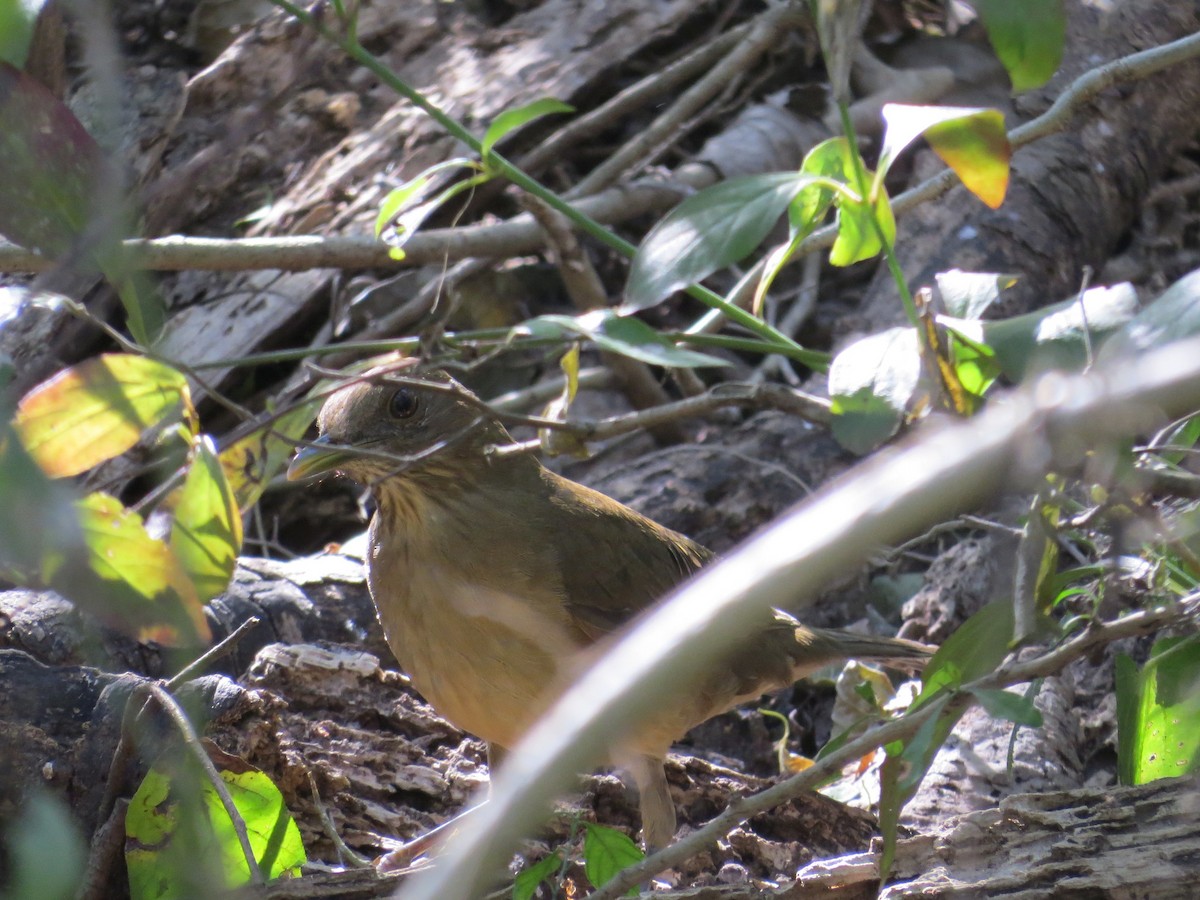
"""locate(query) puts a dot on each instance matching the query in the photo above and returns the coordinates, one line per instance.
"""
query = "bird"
(494, 577)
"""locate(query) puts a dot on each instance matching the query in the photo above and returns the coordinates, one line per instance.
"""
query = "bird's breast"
(487, 659)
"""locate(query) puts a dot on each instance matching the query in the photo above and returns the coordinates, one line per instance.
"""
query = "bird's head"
(387, 424)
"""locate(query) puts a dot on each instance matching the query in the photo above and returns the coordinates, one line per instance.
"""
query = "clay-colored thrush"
(492, 576)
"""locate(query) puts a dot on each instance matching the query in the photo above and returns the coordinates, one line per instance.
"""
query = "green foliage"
(97, 410)
(606, 853)
(17, 18)
(512, 119)
(405, 209)
(723, 224)
(401, 217)
(871, 383)
(710, 230)
(526, 883)
(975, 649)
(1158, 712)
(879, 381)
(1028, 37)
(180, 837)
(1009, 706)
(136, 582)
(206, 531)
(93, 550)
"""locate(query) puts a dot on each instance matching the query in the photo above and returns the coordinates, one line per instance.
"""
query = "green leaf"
(972, 142)
(1129, 730)
(17, 19)
(206, 531)
(1158, 712)
(1028, 37)
(830, 159)
(178, 833)
(1054, 337)
(530, 877)
(406, 216)
(870, 385)
(512, 119)
(975, 649)
(706, 232)
(975, 365)
(902, 771)
(857, 237)
(96, 410)
(132, 580)
(1010, 707)
(606, 853)
(967, 295)
(618, 334)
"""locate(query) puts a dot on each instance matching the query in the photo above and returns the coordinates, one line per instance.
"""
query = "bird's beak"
(322, 456)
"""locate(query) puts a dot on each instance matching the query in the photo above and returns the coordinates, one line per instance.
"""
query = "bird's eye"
(403, 404)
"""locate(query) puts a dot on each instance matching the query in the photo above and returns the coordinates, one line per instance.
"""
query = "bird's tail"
(895, 652)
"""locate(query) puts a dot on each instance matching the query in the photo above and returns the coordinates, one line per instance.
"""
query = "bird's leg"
(496, 755)
(402, 857)
(654, 800)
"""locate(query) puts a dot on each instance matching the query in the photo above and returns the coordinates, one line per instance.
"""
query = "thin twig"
(345, 852)
(218, 650)
(192, 741)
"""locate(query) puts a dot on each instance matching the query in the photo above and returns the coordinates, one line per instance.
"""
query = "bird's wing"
(629, 561)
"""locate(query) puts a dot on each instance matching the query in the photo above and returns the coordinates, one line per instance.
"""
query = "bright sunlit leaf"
(972, 142)
(206, 528)
(98, 409)
(858, 238)
(135, 583)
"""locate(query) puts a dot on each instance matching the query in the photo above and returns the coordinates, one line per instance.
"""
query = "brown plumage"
(493, 576)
